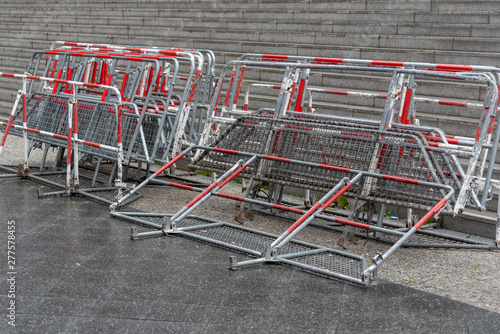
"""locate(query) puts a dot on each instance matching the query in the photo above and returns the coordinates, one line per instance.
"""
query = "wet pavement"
(77, 271)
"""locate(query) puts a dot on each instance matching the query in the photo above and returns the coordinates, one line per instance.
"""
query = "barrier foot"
(239, 219)
(144, 235)
(41, 194)
(22, 172)
(234, 264)
(8, 175)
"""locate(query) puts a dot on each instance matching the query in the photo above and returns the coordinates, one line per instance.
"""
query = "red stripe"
(223, 150)
(231, 80)
(274, 57)
(91, 85)
(133, 59)
(7, 129)
(7, 74)
(400, 179)
(75, 118)
(342, 169)
(406, 106)
(452, 103)
(25, 109)
(352, 223)
(91, 144)
(429, 214)
(57, 80)
(182, 186)
(200, 196)
(336, 196)
(387, 63)
(238, 88)
(69, 146)
(453, 67)
(286, 208)
(270, 157)
(238, 198)
(304, 217)
(300, 95)
(170, 163)
(328, 60)
(337, 92)
(233, 175)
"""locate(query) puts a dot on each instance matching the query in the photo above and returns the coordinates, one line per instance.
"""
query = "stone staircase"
(439, 31)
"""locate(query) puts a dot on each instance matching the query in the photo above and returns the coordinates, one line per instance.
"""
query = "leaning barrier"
(164, 90)
(390, 161)
(480, 148)
(66, 122)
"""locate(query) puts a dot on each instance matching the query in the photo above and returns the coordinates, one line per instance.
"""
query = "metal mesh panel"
(235, 237)
(129, 125)
(423, 239)
(333, 262)
(46, 113)
(359, 148)
(150, 128)
(97, 122)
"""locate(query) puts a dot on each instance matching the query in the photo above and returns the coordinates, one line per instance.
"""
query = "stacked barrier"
(392, 160)
(145, 105)
(164, 95)
(56, 120)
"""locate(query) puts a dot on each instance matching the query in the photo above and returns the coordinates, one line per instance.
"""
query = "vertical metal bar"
(11, 118)
(74, 102)
(67, 189)
(25, 126)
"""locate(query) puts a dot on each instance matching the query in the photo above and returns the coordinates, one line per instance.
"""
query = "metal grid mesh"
(359, 148)
(333, 262)
(424, 239)
(46, 113)
(150, 128)
(330, 261)
(441, 161)
(235, 237)
(97, 122)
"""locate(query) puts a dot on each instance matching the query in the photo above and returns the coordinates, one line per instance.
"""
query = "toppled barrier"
(389, 161)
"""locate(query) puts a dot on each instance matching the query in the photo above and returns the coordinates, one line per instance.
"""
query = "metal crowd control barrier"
(47, 111)
(71, 122)
(165, 96)
(396, 112)
(371, 162)
(202, 83)
(390, 160)
(314, 258)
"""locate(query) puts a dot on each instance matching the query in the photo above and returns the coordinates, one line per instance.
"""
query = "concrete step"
(324, 27)
(473, 222)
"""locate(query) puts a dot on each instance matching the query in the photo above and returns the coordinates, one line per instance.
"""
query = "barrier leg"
(497, 236)
(11, 118)
(25, 170)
